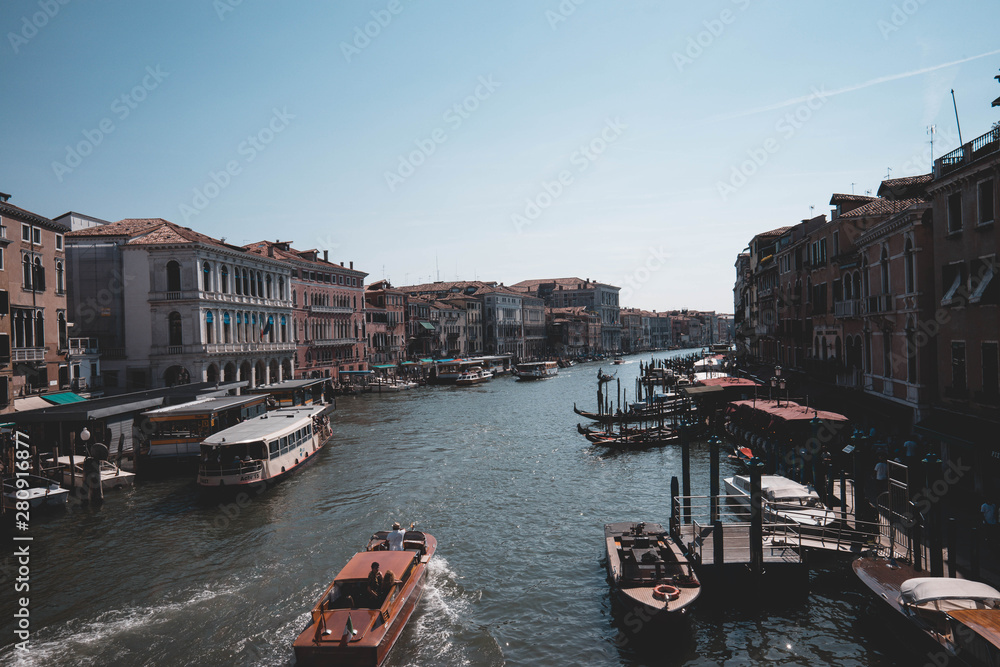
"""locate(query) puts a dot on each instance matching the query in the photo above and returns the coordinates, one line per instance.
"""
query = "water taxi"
(265, 448)
(537, 370)
(112, 477)
(961, 618)
(648, 571)
(474, 375)
(349, 626)
(785, 501)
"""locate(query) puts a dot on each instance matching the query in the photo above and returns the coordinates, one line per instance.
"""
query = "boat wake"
(90, 642)
(443, 630)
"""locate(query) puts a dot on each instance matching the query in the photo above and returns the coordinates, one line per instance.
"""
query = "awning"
(63, 398)
(702, 391)
(427, 325)
(384, 366)
(356, 372)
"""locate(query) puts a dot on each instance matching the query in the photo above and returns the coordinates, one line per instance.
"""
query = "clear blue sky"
(671, 117)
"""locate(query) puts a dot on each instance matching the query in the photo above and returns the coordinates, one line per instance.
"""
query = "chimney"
(326, 255)
(352, 265)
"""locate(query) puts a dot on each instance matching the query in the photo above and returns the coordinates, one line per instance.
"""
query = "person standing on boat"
(395, 537)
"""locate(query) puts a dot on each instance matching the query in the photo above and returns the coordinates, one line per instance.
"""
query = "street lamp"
(778, 383)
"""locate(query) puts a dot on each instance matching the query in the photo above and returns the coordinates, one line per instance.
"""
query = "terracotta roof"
(125, 227)
(880, 207)
(6, 208)
(840, 198)
(774, 232)
(908, 186)
(444, 286)
(498, 289)
(265, 248)
(571, 283)
(908, 180)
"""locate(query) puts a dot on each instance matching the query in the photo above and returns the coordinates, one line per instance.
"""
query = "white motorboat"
(112, 477)
(785, 501)
(38, 491)
(474, 375)
(537, 370)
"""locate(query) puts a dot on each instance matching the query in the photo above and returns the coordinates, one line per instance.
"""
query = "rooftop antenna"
(955, 104)
(888, 173)
(437, 270)
(811, 212)
(852, 188)
(931, 129)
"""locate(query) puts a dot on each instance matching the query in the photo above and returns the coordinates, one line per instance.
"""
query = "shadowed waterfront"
(497, 472)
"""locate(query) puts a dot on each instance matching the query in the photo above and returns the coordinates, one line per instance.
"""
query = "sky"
(636, 143)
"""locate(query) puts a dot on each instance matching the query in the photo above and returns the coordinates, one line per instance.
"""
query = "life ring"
(666, 592)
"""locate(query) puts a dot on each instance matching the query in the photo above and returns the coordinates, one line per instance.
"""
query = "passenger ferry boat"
(347, 626)
(537, 370)
(178, 430)
(474, 375)
(785, 501)
(265, 448)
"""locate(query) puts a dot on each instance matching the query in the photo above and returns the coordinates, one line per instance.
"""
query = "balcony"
(28, 354)
(219, 297)
(221, 348)
(332, 342)
(331, 310)
(84, 384)
(979, 147)
(881, 303)
(849, 308)
(82, 346)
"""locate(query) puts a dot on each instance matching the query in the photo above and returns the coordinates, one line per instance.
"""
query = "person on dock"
(395, 537)
(989, 510)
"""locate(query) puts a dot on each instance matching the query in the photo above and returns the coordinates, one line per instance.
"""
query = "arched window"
(61, 321)
(284, 330)
(281, 287)
(884, 268)
(60, 278)
(260, 284)
(174, 329)
(267, 282)
(38, 277)
(294, 298)
(908, 267)
(173, 276)
(209, 327)
(239, 327)
(26, 266)
(227, 336)
(238, 280)
(270, 328)
(224, 279)
(39, 329)
(253, 285)
(207, 271)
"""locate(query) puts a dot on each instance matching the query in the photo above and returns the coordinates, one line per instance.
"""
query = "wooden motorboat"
(112, 477)
(959, 616)
(37, 491)
(618, 361)
(474, 375)
(348, 628)
(785, 501)
(648, 571)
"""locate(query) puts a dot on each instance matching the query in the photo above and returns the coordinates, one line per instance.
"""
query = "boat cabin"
(294, 392)
(178, 430)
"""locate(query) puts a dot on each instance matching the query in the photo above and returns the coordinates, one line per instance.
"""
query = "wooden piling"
(974, 551)
(936, 558)
(952, 546)
(686, 473)
(713, 482)
(718, 544)
(756, 520)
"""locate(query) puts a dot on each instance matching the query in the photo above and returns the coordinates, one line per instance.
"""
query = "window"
(836, 243)
(59, 241)
(955, 213)
(61, 321)
(60, 278)
(209, 327)
(39, 329)
(226, 331)
(984, 287)
(38, 275)
(911, 354)
(1, 259)
(953, 279)
(267, 283)
(26, 233)
(887, 354)
(26, 273)
(207, 269)
(224, 280)
(884, 269)
(238, 282)
(908, 267)
(173, 276)
(36, 236)
(175, 336)
(986, 202)
(991, 370)
(958, 377)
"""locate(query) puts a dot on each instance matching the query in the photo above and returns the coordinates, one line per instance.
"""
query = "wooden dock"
(700, 541)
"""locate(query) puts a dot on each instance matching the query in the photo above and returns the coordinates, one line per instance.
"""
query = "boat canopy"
(360, 565)
(787, 410)
(948, 593)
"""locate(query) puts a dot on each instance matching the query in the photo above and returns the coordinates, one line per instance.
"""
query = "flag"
(349, 630)
(267, 328)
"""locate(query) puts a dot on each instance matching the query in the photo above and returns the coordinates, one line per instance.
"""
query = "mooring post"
(675, 490)
(713, 482)
(918, 541)
(952, 546)
(843, 495)
(686, 473)
(934, 534)
(718, 545)
(756, 519)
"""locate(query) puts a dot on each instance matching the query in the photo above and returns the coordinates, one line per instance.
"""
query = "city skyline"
(644, 144)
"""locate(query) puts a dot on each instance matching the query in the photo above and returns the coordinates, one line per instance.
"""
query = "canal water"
(516, 498)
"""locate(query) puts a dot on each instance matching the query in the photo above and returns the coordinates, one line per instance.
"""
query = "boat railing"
(235, 467)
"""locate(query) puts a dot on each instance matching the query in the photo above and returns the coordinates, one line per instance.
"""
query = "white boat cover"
(948, 593)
